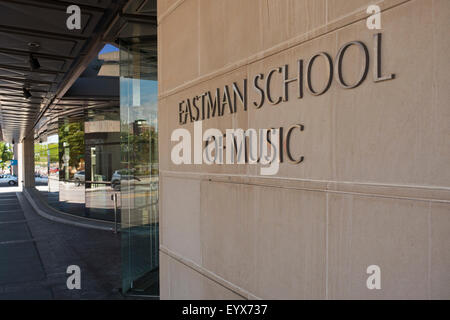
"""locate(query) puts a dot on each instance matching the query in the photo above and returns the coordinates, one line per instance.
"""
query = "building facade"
(364, 175)
(282, 149)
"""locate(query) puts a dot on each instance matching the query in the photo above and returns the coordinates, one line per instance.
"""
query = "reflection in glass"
(102, 149)
(139, 173)
(77, 167)
(72, 166)
(53, 165)
(46, 159)
(41, 165)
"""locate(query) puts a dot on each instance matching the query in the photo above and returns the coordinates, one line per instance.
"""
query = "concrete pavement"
(35, 253)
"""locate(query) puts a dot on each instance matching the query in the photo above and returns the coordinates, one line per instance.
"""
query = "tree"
(6, 154)
(71, 140)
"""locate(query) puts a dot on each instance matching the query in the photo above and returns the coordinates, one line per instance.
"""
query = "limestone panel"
(313, 112)
(178, 35)
(440, 248)
(262, 239)
(340, 8)
(229, 32)
(187, 284)
(164, 5)
(222, 123)
(439, 110)
(290, 244)
(283, 20)
(180, 222)
(229, 232)
(390, 233)
(385, 132)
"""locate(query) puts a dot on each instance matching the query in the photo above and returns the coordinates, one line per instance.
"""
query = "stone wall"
(374, 186)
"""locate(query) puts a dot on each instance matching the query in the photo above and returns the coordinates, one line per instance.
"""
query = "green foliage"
(40, 153)
(139, 147)
(53, 148)
(6, 154)
(71, 136)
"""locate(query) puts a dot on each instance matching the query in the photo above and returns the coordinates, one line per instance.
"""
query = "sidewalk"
(35, 253)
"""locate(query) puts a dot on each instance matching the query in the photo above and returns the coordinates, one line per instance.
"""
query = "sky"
(108, 48)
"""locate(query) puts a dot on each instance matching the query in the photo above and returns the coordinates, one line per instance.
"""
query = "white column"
(26, 163)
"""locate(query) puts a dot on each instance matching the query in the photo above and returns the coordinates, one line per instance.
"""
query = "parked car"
(54, 170)
(40, 179)
(154, 185)
(8, 179)
(123, 174)
(79, 177)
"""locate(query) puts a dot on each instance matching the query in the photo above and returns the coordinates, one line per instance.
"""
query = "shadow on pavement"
(35, 254)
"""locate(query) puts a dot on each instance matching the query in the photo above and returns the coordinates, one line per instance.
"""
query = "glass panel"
(86, 146)
(139, 175)
(102, 143)
(41, 165)
(46, 169)
(72, 166)
(53, 169)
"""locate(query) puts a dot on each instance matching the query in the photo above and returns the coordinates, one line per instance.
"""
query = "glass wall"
(72, 165)
(102, 150)
(46, 168)
(139, 173)
(41, 164)
(77, 166)
(53, 168)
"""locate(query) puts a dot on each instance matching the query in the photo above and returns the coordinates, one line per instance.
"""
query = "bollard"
(114, 198)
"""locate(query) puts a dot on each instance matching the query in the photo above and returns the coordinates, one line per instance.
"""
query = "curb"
(71, 221)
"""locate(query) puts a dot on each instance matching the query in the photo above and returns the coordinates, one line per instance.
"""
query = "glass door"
(139, 174)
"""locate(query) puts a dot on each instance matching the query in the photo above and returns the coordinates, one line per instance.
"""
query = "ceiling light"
(26, 93)
(34, 63)
(34, 45)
